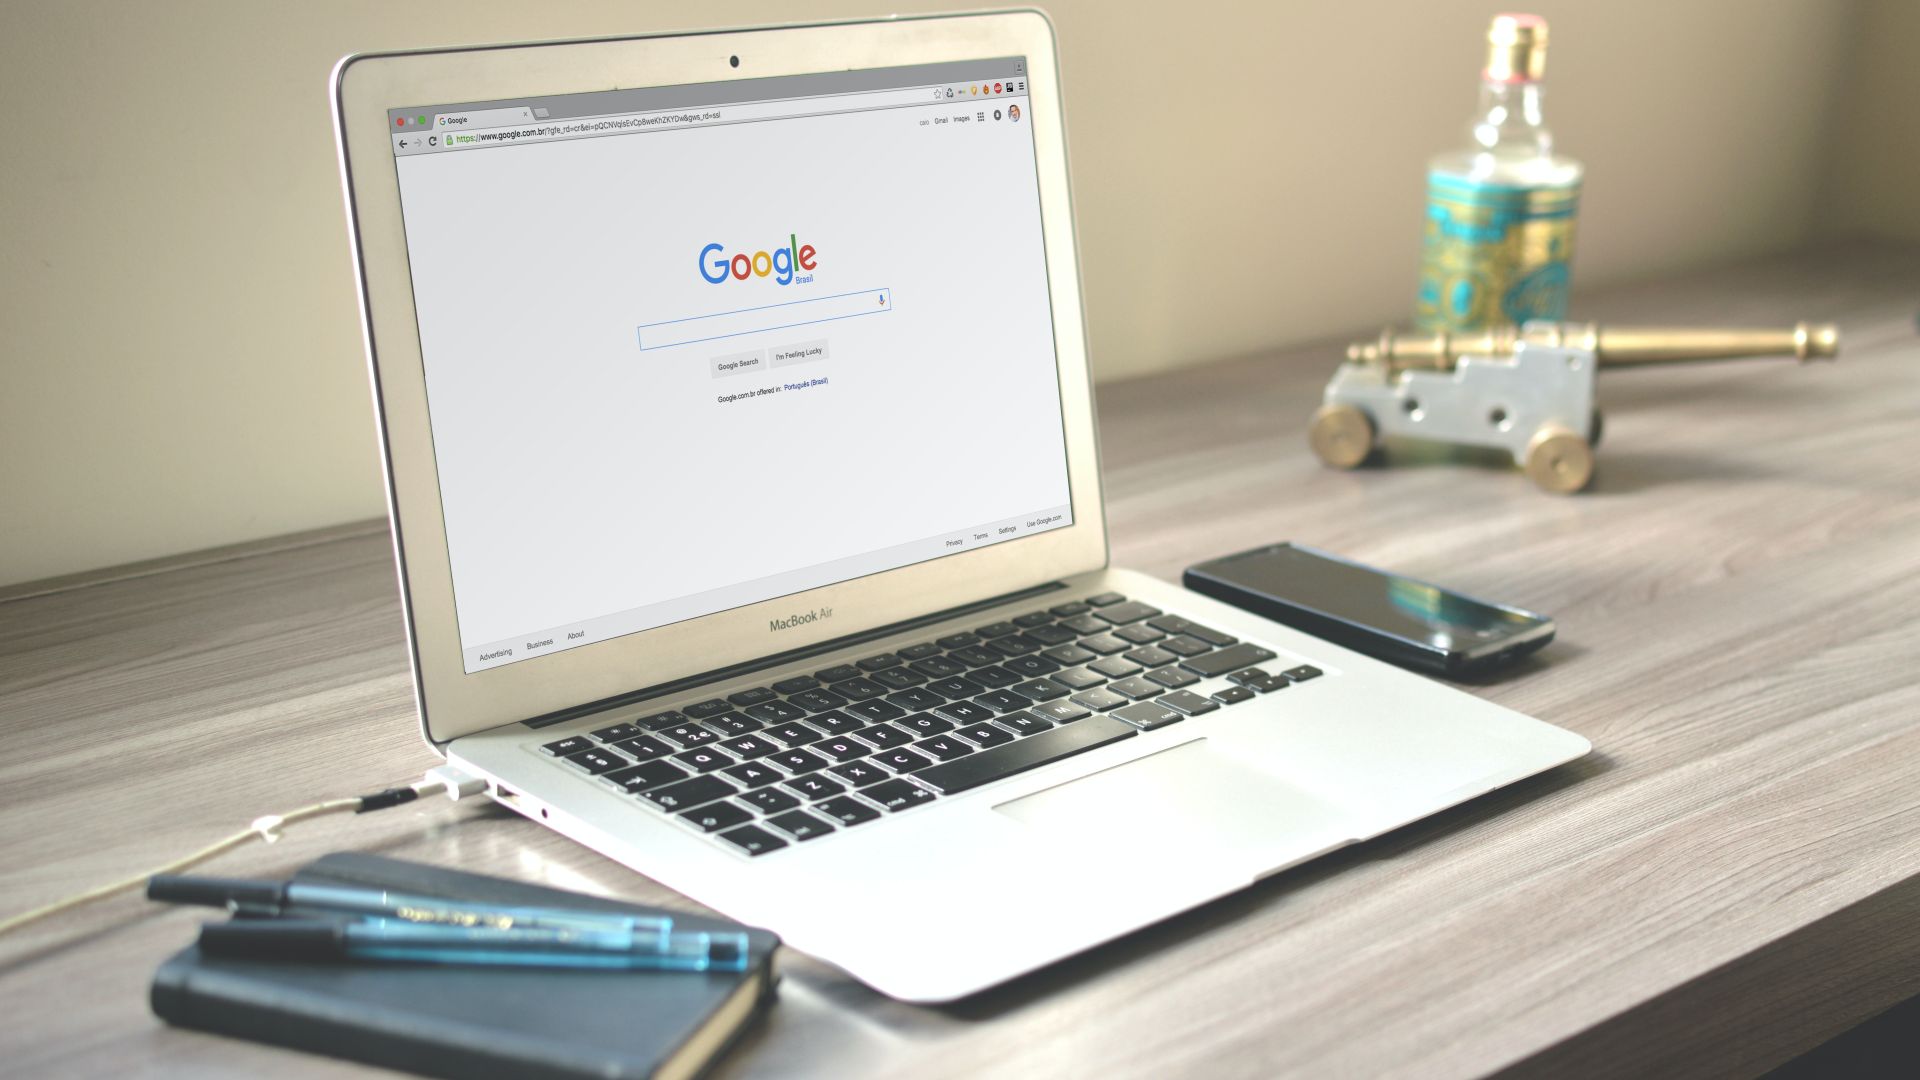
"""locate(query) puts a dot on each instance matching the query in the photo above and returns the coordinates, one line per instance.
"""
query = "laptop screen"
(690, 348)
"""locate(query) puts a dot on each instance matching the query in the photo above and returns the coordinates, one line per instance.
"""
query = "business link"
(584, 127)
(767, 391)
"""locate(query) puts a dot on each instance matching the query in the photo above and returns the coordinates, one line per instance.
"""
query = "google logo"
(715, 266)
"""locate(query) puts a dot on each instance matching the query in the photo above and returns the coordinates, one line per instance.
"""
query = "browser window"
(691, 348)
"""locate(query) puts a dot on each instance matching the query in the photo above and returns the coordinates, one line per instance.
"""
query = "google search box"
(754, 320)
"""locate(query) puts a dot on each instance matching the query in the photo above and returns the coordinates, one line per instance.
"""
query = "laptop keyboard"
(771, 766)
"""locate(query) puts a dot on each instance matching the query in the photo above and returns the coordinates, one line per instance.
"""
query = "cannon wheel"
(1341, 435)
(1559, 461)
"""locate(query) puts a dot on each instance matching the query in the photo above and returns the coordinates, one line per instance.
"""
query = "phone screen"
(1391, 604)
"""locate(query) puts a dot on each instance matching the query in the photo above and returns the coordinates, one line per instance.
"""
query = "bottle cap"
(1516, 48)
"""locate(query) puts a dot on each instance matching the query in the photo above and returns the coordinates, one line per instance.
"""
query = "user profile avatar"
(1013, 113)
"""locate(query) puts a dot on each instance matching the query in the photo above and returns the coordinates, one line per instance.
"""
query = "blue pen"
(397, 941)
(282, 897)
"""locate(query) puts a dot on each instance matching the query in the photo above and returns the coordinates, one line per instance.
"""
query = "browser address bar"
(592, 126)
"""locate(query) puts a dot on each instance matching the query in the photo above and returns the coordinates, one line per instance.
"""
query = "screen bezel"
(453, 702)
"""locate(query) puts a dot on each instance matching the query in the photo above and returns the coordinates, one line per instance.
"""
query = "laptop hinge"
(734, 671)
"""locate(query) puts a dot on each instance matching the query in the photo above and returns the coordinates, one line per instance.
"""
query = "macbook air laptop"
(740, 448)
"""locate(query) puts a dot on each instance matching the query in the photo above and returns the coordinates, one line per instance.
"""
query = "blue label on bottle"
(1495, 253)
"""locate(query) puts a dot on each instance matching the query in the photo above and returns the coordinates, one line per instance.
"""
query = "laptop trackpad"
(1186, 801)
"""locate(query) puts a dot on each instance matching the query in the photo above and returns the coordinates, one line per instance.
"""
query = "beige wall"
(181, 363)
(1873, 179)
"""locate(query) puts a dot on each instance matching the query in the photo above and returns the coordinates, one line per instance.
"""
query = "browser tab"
(484, 118)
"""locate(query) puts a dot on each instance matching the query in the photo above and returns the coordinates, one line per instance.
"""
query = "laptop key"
(859, 773)
(879, 663)
(1153, 656)
(841, 748)
(1061, 712)
(1209, 635)
(647, 774)
(734, 724)
(753, 697)
(1269, 684)
(900, 678)
(1085, 624)
(688, 736)
(1030, 666)
(1172, 624)
(1105, 644)
(1115, 667)
(1105, 598)
(1139, 633)
(717, 816)
(944, 747)
(817, 700)
(958, 641)
(1173, 678)
(897, 795)
(921, 725)
(1003, 701)
(836, 673)
(1070, 655)
(1136, 688)
(572, 744)
(987, 766)
(993, 678)
(837, 723)
(1025, 723)
(753, 840)
(859, 689)
(1041, 690)
(874, 712)
(1078, 679)
(956, 687)
(776, 712)
(1128, 612)
(937, 667)
(996, 629)
(643, 748)
(1069, 609)
(920, 698)
(662, 720)
(1184, 645)
(883, 736)
(1247, 675)
(1051, 635)
(752, 774)
(617, 732)
(1232, 695)
(748, 747)
(797, 684)
(1302, 673)
(902, 760)
(1017, 645)
(793, 734)
(1032, 619)
(985, 735)
(919, 652)
(705, 758)
(975, 656)
(769, 801)
(1187, 702)
(964, 712)
(815, 786)
(799, 761)
(1099, 700)
(1147, 715)
(702, 710)
(689, 793)
(1231, 658)
(800, 825)
(847, 811)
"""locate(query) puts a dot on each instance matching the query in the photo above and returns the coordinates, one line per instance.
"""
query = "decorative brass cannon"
(1526, 390)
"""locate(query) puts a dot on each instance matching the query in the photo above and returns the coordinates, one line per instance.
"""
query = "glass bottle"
(1500, 213)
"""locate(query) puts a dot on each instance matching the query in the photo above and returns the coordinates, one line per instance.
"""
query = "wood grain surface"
(1732, 877)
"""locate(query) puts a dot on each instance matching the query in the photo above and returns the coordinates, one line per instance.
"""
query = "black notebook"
(465, 1021)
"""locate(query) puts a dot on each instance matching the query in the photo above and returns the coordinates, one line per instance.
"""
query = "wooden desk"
(1732, 877)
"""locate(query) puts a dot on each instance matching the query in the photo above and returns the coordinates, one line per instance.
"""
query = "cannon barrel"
(1612, 346)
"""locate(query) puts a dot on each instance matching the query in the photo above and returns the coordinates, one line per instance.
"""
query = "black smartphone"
(1395, 618)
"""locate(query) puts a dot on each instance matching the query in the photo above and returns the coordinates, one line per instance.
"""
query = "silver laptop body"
(734, 397)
